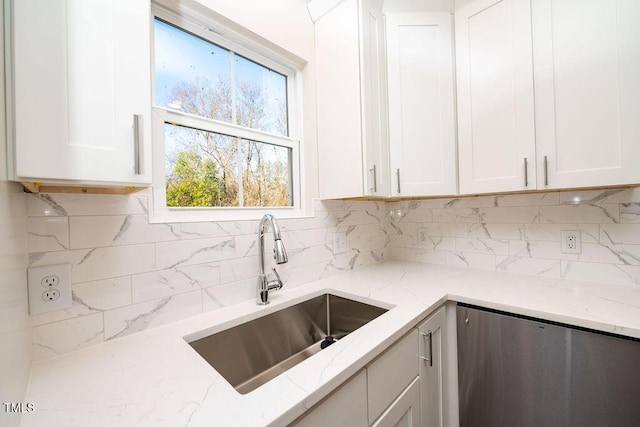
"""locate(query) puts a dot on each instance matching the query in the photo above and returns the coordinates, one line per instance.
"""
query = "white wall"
(15, 328)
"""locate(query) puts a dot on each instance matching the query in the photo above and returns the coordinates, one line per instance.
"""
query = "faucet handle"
(274, 285)
(278, 279)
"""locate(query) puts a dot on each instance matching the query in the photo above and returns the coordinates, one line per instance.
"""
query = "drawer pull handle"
(137, 129)
(429, 359)
(375, 183)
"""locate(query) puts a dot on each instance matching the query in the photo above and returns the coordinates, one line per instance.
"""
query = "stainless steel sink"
(250, 354)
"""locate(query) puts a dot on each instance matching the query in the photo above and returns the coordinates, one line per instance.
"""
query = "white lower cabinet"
(382, 392)
(346, 406)
(391, 373)
(404, 411)
(431, 333)
(413, 383)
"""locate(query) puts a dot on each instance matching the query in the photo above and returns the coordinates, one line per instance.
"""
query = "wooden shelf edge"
(39, 187)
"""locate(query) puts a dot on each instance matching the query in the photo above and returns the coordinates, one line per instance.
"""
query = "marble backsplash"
(522, 233)
(129, 275)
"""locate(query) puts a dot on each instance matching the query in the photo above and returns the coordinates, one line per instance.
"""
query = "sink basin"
(250, 354)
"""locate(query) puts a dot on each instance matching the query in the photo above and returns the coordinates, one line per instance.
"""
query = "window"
(224, 131)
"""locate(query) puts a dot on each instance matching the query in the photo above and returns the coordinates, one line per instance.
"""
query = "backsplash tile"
(521, 233)
(117, 230)
(620, 233)
(137, 317)
(584, 213)
(630, 213)
(47, 234)
(129, 275)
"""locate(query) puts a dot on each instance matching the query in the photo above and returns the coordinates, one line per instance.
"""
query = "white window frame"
(209, 29)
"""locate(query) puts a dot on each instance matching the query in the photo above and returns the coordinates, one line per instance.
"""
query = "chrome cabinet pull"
(398, 175)
(526, 173)
(430, 358)
(137, 128)
(375, 180)
(546, 171)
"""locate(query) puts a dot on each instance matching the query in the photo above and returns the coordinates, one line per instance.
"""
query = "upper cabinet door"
(422, 142)
(338, 96)
(587, 88)
(495, 96)
(351, 95)
(374, 99)
(81, 90)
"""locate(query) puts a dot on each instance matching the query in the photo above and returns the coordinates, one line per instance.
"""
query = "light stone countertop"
(154, 378)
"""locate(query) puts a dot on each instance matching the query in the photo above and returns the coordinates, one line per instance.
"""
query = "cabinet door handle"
(137, 128)
(398, 175)
(375, 180)
(429, 359)
(526, 173)
(546, 171)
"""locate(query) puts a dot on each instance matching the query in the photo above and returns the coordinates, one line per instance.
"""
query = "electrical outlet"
(50, 295)
(571, 242)
(49, 288)
(340, 245)
(50, 281)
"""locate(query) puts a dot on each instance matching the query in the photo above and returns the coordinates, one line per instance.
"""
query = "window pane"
(201, 168)
(261, 97)
(192, 75)
(266, 174)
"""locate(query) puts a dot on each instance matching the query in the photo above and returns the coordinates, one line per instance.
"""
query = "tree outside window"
(210, 169)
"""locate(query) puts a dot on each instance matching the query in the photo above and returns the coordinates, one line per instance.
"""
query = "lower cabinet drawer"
(391, 373)
(345, 407)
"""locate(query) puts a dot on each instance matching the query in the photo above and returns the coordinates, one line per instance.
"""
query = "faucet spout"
(279, 254)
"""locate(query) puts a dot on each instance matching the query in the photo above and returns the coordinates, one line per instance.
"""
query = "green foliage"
(206, 170)
(194, 182)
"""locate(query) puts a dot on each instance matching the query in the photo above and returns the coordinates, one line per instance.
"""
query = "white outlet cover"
(571, 242)
(340, 245)
(38, 287)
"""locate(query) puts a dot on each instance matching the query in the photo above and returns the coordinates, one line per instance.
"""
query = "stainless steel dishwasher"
(520, 371)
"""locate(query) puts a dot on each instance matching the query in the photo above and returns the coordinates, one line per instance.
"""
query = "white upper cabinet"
(351, 96)
(422, 143)
(80, 91)
(496, 134)
(583, 59)
(587, 89)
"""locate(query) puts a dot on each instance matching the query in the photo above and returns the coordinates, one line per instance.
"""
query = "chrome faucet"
(279, 254)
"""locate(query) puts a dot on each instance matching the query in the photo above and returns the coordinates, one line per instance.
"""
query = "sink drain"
(327, 342)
